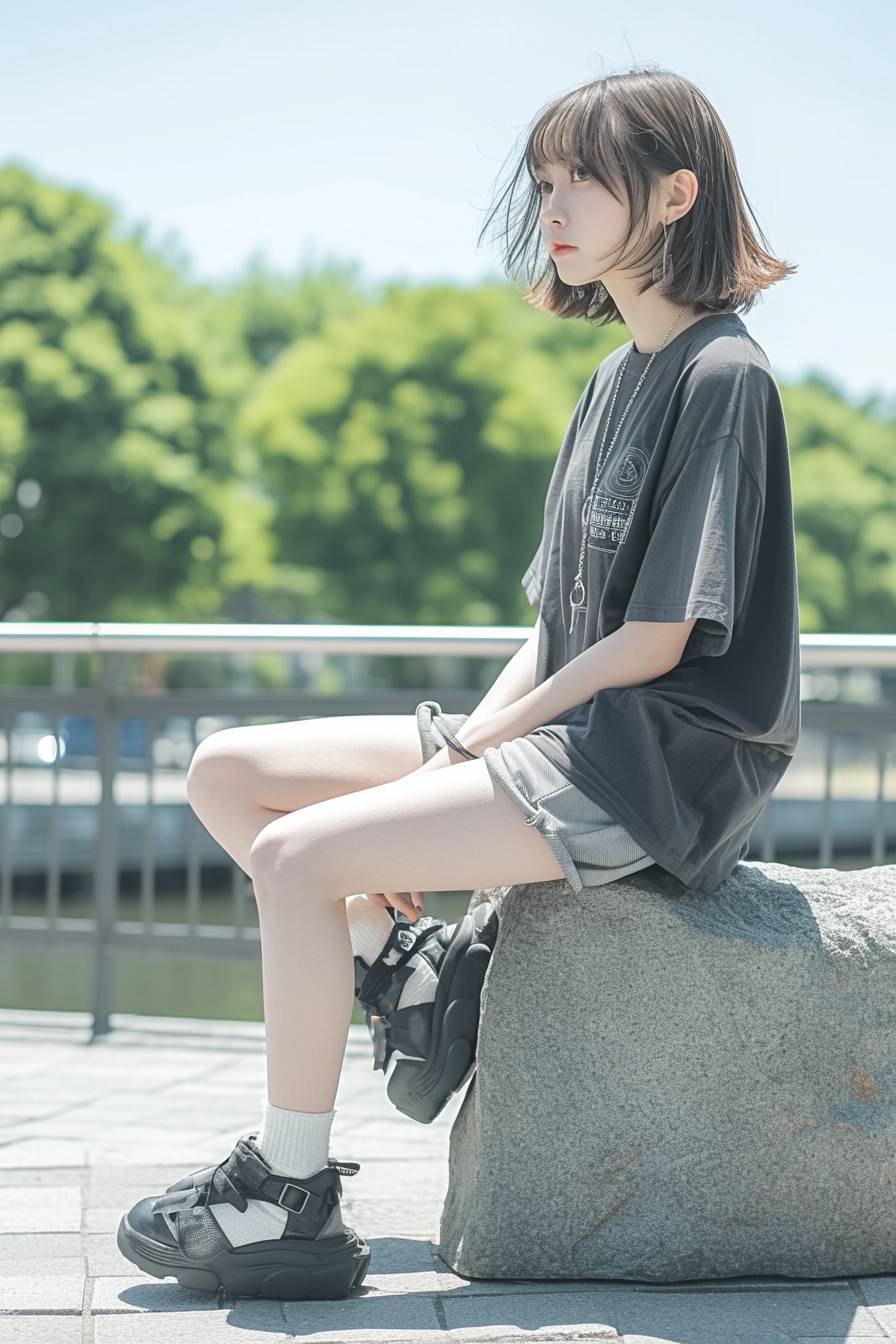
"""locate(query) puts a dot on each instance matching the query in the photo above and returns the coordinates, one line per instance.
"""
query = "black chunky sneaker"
(434, 1042)
(314, 1255)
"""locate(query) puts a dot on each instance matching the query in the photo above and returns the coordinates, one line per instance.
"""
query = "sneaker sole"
(422, 1088)
(325, 1269)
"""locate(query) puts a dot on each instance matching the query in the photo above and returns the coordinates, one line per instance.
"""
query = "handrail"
(111, 705)
(816, 650)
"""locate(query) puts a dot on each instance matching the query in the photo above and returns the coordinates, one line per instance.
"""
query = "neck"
(649, 316)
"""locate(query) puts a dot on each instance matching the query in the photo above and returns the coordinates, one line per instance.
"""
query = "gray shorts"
(590, 847)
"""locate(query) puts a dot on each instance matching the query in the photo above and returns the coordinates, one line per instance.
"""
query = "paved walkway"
(88, 1130)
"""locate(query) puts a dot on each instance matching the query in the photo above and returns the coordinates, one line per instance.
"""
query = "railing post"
(106, 853)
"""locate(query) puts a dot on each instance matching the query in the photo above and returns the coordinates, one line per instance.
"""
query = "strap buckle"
(288, 1185)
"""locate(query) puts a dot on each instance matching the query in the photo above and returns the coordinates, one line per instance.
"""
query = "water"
(160, 985)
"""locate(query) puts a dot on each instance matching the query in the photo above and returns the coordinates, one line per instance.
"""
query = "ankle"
(294, 1143)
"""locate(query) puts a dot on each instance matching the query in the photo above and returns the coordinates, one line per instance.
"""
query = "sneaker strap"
(308, 1200)
(404, 941)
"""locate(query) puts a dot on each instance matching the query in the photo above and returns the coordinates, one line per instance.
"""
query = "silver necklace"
(578, 603)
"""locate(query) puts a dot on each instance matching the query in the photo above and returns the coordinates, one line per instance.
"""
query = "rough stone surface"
(76, 1126)
(678, 1087)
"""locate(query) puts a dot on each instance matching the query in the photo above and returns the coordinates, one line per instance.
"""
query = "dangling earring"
(597, 298)
(661, 274)
(600, 293)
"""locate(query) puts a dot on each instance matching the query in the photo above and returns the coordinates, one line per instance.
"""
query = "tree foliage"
(295, 448)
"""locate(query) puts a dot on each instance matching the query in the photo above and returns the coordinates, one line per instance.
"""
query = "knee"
(283, 858)
(212, 766)
(264, 852)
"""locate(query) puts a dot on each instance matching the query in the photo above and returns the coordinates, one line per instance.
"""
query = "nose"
(551, 213)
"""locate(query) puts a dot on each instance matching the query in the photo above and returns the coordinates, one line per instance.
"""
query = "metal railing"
(805, 798)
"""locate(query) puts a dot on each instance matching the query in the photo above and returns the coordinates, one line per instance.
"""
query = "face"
(577, 209)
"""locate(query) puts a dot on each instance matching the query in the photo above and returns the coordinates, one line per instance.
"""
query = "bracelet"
(452, 741)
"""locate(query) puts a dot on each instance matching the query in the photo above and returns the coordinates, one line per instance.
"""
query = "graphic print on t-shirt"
(615, 500)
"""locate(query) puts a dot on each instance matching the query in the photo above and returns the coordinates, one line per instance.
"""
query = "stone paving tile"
(179, 1155)
(376, 1218)
(361, 1148)
(105, 1218)
(400, 1265)
(140, 1292)
(556, 1334)
(86, 1132)
(36, 1248)
(879, 1292)
(52, 1265)
(668, 1313)
(20, 1329)
(258, 1322)
(102, 1255)
(49, 1208)
(16, 1152)
(750, 1337)
(16, 1114)
(36, 1176)
(370, 1316)
(117, 1133)
(41, 1292)
(109, 1183)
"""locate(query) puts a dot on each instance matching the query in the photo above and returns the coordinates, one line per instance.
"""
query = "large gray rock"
(672, 1086)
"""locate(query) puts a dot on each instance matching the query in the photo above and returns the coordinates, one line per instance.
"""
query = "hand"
(443, 757)
(399, 900)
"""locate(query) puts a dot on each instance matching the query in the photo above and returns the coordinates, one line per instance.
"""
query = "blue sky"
(376, 133)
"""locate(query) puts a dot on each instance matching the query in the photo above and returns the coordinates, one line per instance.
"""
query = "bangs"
(579, 133)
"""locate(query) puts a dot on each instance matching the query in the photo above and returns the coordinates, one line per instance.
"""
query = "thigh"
(285, 766)
(451, 829)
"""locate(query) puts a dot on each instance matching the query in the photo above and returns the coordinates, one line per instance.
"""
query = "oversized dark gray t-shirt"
(693, 518)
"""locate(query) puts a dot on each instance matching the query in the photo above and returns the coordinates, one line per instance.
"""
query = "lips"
(558, 248)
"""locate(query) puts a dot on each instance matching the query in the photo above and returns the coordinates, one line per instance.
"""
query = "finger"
(401, 901)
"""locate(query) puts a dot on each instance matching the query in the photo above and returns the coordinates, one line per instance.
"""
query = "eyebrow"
(542, 167)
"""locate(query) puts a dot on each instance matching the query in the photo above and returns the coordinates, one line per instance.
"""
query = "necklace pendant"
(576, 603)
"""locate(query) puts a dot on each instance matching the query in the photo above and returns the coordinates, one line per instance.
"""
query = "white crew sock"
(369, 927)
(293, 1143)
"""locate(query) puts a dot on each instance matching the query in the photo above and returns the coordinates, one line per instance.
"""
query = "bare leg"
(447, 830)
(242, 778)
(320, 777)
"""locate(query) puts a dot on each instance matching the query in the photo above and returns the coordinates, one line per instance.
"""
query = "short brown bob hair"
(626, 130)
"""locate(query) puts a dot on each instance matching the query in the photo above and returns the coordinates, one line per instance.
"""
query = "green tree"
(122, 490)
(409, 447)
(293, 447)
(843, 464)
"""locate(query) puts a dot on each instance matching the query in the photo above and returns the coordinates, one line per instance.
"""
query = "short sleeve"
(533, 578)
(700, 552)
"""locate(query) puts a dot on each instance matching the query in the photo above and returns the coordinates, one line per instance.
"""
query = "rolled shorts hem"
(545, 781)
(597, 872)
(535, 817)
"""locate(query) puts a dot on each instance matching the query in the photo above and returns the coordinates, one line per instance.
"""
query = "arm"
(515, 680)
(637, 652)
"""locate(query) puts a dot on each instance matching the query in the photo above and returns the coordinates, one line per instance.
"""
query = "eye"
(578, 168)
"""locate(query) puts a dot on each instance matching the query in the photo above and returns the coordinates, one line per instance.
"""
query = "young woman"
(646, 720)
